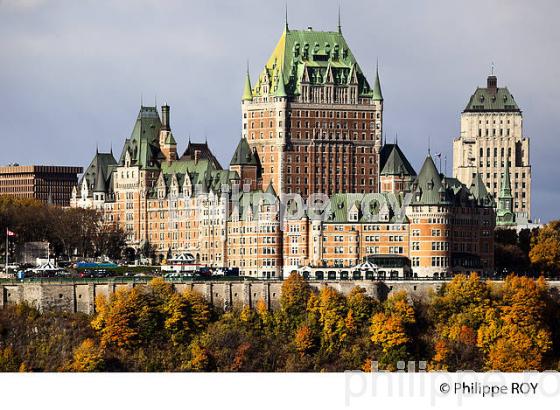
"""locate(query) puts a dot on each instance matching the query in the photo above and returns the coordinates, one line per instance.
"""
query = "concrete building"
(47, 183)
(491, 136)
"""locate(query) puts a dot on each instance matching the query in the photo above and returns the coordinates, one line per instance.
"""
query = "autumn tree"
(185, 315)
(117, 321)
(9, 362)
(330, 314)
(360, 307)
(293, 300)
(545, 248)
(390, 330)
(515, 336)
(88, 357)
(457, 313)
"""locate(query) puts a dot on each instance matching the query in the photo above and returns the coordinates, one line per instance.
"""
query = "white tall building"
(491, 134)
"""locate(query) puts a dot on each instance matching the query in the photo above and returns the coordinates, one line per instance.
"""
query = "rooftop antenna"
(396, 138)
(141, 99)
(492, 68)
(286, 15)
(429, 148)
(155, 100)
(339, 24)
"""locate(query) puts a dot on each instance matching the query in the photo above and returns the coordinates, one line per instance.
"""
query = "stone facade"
(491, 135)
(80, 297)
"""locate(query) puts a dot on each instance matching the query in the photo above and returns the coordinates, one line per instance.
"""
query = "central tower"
(313, 118)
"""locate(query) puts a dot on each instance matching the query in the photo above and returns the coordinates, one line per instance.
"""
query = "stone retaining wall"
(80, 297)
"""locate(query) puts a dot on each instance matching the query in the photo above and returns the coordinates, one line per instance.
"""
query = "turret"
(246, 163)
(167, 143)
(377, 94)
(247, 92)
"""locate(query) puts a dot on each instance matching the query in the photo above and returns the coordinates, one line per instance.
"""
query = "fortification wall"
(80, 297)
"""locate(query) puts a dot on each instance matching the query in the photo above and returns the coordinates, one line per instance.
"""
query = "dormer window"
(430, 184)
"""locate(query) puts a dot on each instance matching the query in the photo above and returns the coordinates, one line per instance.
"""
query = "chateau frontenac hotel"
(311, 123)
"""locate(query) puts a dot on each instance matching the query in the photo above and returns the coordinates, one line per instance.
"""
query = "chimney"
(165, 117)
(196, 156)
(492, 82)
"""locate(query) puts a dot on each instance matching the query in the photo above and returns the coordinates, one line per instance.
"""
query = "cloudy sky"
(72, 72)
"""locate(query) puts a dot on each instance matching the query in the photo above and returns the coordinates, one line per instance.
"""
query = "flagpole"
(7, 252)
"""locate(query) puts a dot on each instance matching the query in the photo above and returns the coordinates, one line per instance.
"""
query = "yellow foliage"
(545, 247)
(199, 358)
(246, 314)
(295, 292)
(514, 336)
(304, 339)
(388, 331)
(117, 326)
(87, 357)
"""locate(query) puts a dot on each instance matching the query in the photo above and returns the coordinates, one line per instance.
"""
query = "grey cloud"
(72, 72)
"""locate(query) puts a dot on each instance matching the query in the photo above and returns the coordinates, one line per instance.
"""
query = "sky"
(73, 73)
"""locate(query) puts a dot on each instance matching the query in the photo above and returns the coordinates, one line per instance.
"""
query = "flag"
(10, 233)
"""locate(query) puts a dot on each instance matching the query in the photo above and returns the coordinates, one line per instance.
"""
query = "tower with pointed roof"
(492, 139)
(451, 224)
(396, 173)
(504, 214)
(246, 163)
(312, 116)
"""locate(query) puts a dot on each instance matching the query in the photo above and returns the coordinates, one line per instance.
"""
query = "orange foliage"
(87, 357)
(304, 339)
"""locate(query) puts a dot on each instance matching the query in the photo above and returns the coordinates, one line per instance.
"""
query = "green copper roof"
(342, 203)
(504, 214)
(313, 56)
(491, 98)
(280, 88)
(143, 144)
(247, 92)
(169, 139)
(98, 172)
(480, 193)
(270, 189)
(377, 94)
(203, 174)
(505, 183)
(396, 163)
(243, 155)
(202, 150)
(428, 187)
